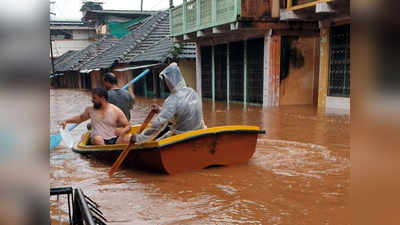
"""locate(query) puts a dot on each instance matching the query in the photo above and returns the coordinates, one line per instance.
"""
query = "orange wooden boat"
(194, 150)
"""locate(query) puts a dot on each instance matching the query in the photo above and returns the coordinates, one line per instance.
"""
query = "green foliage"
(177, 50)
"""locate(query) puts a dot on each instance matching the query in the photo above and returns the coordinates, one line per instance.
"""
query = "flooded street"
(299, 174)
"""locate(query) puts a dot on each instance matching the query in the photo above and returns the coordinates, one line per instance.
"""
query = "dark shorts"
(106, 141)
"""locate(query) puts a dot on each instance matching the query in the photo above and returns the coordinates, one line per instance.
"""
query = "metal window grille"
(236, 71)
(220, 72)
(255, 66)
(339, 73)
(206, 72)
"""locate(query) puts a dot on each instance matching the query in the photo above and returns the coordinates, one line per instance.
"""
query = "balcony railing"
(300, 4)
(194, 15)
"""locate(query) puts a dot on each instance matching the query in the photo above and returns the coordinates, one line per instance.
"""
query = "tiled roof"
(61, 62)
(156, 53)
(78, 59)
(148, 42)
(140, 45)
(138, 40)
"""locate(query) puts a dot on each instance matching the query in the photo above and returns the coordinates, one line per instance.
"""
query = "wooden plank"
(275, 13)
(323, 68)
(274, 81)
(255, 9)
(289, 3)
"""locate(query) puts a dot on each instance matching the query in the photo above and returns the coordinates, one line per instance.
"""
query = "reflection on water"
(299, 173)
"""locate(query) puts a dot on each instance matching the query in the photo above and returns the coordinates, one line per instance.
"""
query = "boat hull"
(195, 150)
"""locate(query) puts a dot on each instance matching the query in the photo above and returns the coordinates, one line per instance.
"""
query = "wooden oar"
(125, 152)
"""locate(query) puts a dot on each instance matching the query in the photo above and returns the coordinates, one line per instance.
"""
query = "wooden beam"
(289, 3)
(200, 33)
(220, 29)
(323, 68)
(272, 57)
(189, 37)
(177, 38)
(306, 5)
(275, 13)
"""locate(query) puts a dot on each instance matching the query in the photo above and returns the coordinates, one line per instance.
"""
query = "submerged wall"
(298, 86)
(188, 70)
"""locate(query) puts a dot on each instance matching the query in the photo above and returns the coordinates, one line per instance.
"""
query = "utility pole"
(141, 5)
(51, 44)
(51, 53)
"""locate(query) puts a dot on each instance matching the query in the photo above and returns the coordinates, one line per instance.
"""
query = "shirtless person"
(105, 118)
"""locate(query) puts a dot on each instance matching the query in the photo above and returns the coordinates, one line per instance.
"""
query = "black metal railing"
(81, 209)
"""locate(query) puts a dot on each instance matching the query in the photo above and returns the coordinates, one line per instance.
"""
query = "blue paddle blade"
(136, 79)
(55, 140)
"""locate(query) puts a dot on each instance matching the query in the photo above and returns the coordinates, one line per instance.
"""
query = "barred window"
(339, 71)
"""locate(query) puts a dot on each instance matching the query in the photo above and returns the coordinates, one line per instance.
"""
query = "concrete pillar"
(323, 68)
(198, 69)
(272, 58)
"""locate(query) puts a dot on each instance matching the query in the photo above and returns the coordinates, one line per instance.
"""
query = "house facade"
(147, 45)
(70, 35)
(268, 52)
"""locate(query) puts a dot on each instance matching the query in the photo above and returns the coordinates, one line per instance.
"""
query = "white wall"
(80, 34)
(80, 41)
(62, 46)
(337, 104)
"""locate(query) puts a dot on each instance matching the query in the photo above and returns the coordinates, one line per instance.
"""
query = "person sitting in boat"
(183, 106)
(121, 98)
(105, 118)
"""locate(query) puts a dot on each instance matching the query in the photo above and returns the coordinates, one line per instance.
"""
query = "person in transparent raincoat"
(182, 109)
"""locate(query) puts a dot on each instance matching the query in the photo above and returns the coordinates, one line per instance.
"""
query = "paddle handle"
(146, 121)
(125, 152)
(144, 73)
(120, 159)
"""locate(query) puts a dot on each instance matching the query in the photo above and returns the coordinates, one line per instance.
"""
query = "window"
(339, 71)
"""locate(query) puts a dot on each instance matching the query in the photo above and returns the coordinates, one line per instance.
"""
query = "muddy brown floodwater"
(299, 174)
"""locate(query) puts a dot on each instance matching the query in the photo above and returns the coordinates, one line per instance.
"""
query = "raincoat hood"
(173, 77)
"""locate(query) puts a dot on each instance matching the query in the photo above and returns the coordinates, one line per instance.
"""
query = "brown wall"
(122, 77)
(298, 87)
(256, 8)
(188, 69)
(96, 79)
